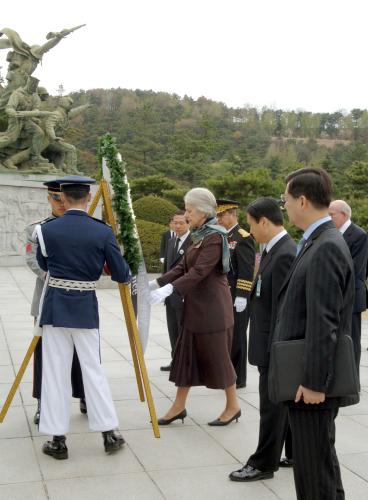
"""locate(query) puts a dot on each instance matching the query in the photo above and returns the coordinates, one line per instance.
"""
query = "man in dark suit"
(266, 225)
(165, 237)
(315, 304)
(175, 250)
(357, 240)
(240, 278)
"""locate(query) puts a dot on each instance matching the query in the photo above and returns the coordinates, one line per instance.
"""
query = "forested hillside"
(240, 153)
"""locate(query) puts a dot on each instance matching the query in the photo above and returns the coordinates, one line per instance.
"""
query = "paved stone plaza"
(190, 461)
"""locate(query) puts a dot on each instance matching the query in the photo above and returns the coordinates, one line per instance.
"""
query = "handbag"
(286, 370)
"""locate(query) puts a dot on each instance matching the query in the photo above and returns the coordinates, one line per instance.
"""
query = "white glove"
(240, 304)
(153, 285)
(157, 296)
(162, 260)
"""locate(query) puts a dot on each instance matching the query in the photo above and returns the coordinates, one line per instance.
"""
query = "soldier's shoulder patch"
(48, 219)
(100, 220)
(40, 221)
(35, 222)
(243, 233)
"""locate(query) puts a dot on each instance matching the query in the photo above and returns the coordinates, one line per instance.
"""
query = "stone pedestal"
(23, 199)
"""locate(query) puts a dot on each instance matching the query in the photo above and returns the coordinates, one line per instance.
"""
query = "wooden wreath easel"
(135, 342)
(131, 323)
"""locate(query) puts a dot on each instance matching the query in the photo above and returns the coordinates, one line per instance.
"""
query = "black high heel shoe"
(221, 423)
(180, 416)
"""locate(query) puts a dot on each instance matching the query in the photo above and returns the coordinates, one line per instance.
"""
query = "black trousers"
(239, 346)
(173, 318)
(273, 427)
(288, 443)
(316, 467)
(356, 334)
(76, 375)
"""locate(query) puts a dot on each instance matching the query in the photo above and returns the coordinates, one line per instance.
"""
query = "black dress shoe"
(113, 441)
(180, 416)
(286, 462)
(36, 418)
(56, 448)
(83, 406)
(165, 368)
(249, 473)
(241, 385)
(221, 423)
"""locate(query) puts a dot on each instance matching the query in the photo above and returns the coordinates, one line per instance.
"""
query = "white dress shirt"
(344, 227)
(275, 239)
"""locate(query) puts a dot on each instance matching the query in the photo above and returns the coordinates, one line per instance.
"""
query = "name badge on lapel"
(259, 286)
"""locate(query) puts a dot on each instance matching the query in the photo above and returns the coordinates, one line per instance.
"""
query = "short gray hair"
(343, 207)
(203, 200)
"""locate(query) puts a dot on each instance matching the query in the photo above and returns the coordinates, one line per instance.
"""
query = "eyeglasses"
(55, 197)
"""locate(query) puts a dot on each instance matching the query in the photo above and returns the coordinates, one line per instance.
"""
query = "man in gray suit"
(57, 210)
(315, 304)
(357, 241)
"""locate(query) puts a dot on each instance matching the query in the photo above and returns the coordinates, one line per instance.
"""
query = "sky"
(291, 54)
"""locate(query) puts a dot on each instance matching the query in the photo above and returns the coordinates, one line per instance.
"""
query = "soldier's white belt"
(81, 286)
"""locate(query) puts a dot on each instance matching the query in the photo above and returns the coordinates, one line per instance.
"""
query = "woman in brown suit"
(202, 354)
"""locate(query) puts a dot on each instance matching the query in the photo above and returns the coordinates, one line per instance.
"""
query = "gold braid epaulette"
(244, 285)
(243, 233)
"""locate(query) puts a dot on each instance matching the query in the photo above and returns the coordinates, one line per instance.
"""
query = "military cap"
(75, 180)
(223, 205)
(53, 186)
(75, 183)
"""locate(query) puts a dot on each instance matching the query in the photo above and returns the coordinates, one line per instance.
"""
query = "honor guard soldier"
(57, 210)
(69, 315)
(240, 278)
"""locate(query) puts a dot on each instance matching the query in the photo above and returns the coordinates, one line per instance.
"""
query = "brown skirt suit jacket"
(202, 354)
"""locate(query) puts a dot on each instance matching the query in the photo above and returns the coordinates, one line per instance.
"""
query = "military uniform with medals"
(240, 279)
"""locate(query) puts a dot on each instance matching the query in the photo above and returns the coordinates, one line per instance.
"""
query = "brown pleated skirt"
(203, 359)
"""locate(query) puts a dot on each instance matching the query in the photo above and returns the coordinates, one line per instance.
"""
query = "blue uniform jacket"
(77, 248)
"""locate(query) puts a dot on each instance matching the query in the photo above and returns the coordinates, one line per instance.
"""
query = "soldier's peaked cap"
(223, 205)
(75, 180)
(52, 186)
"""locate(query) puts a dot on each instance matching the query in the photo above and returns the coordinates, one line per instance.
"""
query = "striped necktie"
(264, 253)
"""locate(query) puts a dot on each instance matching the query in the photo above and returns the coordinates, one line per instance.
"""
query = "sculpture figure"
(23, 114)
(23, 59)
(32, 124)
(64, 155)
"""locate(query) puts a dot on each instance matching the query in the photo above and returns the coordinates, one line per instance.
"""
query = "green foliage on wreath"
(107, 149)
(154, 209)
(150, 238)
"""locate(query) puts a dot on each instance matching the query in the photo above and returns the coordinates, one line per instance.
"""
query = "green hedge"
(154, 209)
(150, 237)
(150, 185)
(176, 196)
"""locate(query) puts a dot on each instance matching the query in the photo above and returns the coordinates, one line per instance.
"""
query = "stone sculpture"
(32, 124)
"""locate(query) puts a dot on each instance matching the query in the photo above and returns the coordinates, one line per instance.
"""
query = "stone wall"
(23, 199)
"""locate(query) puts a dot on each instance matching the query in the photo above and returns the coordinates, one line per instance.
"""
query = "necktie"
(264, 253)
(300, 246)
(176, 247)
